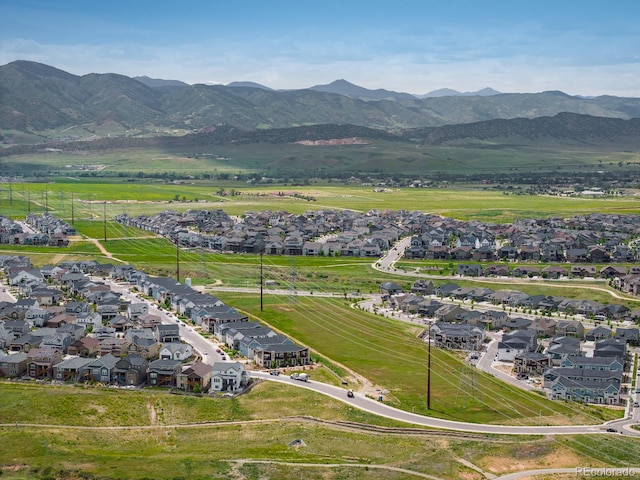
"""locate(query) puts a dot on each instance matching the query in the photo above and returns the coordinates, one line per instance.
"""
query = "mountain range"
(38, 98)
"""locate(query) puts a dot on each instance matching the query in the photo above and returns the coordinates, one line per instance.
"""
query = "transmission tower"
(203, 265)
(468, 385)
(293, 289)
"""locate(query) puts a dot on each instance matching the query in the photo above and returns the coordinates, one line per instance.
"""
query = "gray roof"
(75, 363)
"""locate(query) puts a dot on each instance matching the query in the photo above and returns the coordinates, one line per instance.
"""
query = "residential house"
(40, 362)
(131, 370)
(516, 342)
(628, 335)
(71, 369)
(531, 363)
(570, 328)
(610, 347)
(587, 391)
(562, 346)
(13, 365)
(599, 333)
(101, 370)
(168, 333)
(149, 321)
(581, 374)
(543, 326)
(449, 312)
(163, 373)
(457, 336)
(390, 288)
(280, 355)
(137, 310)
(114, 346)
(175, 351)
(227, 377)
(592, 363)
(85, 347)
(423, 287)
(195, 378)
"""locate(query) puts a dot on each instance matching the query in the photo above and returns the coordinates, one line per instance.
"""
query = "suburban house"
(131, 370)
(40, 362)
(531, 363)
(168, 333)
(457, 336)
(196, 377)
(101, 370)
(163, 373)
(13, 365)
(175, 351)
(516, 342)
(599, 333)
(227, 377)
(587, 391)
(570, 328)
(71, 369)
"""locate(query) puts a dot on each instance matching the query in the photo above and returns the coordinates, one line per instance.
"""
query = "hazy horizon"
(586, 48)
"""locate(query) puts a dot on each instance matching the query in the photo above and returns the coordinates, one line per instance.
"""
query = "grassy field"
(388, 353)
(248, 437)
(149, 198)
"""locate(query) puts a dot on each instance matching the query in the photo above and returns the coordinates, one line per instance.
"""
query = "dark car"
(612, 430)
(274, 372)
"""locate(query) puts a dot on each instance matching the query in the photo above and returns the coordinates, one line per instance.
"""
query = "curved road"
(378, 408)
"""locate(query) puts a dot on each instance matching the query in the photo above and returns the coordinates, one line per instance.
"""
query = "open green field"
(148, 198)
(154, 435)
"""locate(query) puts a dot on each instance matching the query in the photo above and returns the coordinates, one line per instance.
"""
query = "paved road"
(579, 472)
(205, 348)
(379, 408)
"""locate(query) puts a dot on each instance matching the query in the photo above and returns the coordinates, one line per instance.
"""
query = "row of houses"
(560, 363)
(597, 238)
(427, 299)
(132, 370)
(12, 233)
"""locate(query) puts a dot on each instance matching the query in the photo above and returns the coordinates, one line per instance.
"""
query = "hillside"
(43, 100)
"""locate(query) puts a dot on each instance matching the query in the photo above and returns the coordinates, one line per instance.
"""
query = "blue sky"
(581, 47)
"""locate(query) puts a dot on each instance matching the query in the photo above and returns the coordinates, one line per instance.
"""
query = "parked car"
(274, 372)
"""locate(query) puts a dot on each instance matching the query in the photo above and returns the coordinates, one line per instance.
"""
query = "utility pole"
(29, 201)
(261, 283)
(46, 200)
(429, 368)
(10, 194)
(104, 215)
(72, 216)
(177, 260)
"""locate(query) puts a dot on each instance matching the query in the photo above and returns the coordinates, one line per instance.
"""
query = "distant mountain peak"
(348, 89)
(449, 92)
(249, 85)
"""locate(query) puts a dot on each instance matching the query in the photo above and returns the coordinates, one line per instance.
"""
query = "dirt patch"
(153, 416)
(530, 457)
